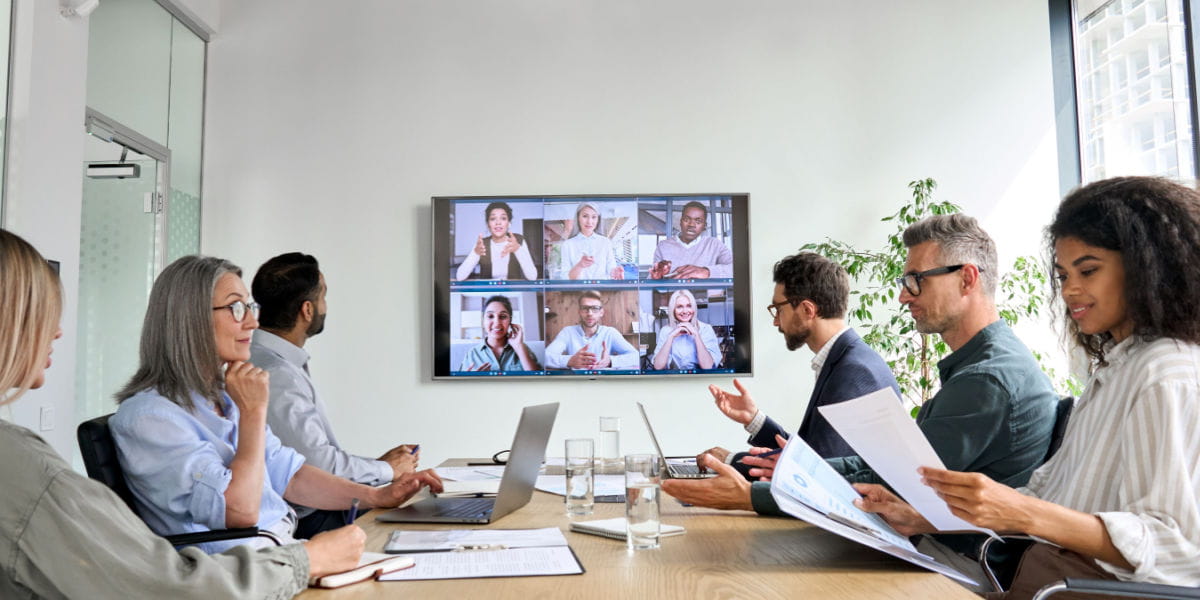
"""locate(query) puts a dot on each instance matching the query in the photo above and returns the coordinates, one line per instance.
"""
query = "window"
(1125, 77)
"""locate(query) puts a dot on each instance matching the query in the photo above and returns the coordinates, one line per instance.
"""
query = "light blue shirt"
(571, 339)
(177, 465)
(683, 348)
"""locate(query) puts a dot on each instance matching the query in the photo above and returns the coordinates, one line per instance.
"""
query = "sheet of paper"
(515, 562)
(800, 470)
(884, 435)
(604, 485)
(480, 473)
(402, 541)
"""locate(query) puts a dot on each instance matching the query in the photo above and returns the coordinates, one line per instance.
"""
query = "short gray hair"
(178, 354)
(961, 241)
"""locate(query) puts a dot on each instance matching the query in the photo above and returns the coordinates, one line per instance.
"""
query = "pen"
(766, 454)
(414, 449)
(353, 514)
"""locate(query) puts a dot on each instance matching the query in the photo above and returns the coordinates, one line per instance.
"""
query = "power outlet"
(47, 418)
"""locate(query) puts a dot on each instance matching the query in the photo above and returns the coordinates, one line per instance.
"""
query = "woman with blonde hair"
(587, 254)
(65, 535)
(686, 342)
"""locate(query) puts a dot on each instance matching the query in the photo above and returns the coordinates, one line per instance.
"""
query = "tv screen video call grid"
(664, 277)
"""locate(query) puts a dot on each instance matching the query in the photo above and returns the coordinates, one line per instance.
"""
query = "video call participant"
(809, 308)
(503, 348)
(291, 289)
(66, 536)
(996, 408)
(686, 342)
(191, 428)
(1121, 497)
(590, 345)
(689, 256)
(587, 254)
(495, 255)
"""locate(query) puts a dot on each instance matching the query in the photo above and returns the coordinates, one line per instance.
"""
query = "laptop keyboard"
(685, 470)
(466, 507)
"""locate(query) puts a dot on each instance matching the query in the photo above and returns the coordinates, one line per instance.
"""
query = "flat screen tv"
(591, 286)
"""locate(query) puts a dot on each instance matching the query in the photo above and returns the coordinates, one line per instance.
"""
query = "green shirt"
(993, 415)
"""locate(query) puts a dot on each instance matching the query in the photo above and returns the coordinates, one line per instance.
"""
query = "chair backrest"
(99, 453)
(1062, 414)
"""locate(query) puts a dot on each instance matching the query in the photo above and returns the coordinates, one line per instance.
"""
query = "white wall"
(330, 125)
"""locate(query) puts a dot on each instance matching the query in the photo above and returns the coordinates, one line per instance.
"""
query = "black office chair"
(1000, 576)
(100, 458)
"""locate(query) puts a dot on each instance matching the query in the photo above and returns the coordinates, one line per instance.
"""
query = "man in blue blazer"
(809, 309)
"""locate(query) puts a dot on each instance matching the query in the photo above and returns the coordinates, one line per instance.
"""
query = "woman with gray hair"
(191, 428)
(587, 254)
(67, 536)
(686, 342)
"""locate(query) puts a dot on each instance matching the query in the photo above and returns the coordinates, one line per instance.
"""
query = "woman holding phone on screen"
(503, 348)
(587, 254)
(503, 255)
(67, 536)
(686, 342)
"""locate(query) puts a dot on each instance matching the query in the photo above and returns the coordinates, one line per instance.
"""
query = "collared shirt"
(177, 465)
(596, 246)
(482, 354)
(818, 362)
(1131, 456)
(705, 251)
(297, 415)
(683, 347)
(66, 536)
(571, 340)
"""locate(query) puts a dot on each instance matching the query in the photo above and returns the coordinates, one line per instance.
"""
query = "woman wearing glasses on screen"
(504, 347)
(191, 426)
(686, 342)
(67, 536)
(1121, 497)
(503, 255)
(587, 254)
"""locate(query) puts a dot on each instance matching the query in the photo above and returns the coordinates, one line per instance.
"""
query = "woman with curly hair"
(1120, 500)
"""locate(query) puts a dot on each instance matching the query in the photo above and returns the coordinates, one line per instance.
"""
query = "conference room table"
(723, 554)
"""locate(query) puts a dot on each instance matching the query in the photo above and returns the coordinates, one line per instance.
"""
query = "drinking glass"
(642, 494)
(610, 445)
(580, 479)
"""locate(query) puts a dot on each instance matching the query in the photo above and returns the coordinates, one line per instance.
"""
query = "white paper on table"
(403, 541)
(513, 562)
(885, 436)
(603, 485)
(803, 480)
(480, 473)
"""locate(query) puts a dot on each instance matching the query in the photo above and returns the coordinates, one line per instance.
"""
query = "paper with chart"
(885, 436)
(806, 487)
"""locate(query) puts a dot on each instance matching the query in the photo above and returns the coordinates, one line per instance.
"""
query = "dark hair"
(487, 212)
(282, 285)
(502, 300)
(694, 204)
(810, 276)
(1155, 225)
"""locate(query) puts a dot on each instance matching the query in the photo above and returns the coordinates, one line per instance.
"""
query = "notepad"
(615, 528)
(468, 553)
(372, 565)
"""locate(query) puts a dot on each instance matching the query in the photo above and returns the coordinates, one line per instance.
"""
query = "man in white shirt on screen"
(590, 345)
(291, 290)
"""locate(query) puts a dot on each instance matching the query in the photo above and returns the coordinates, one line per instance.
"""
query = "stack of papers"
(471, 553)
(615, 528)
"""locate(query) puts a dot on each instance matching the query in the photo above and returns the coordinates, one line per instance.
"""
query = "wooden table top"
(724, 554)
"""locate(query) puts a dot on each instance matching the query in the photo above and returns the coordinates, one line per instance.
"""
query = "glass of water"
(642, 493)
(579, 462)
(610, 445)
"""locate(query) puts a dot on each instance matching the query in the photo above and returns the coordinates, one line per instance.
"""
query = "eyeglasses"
(912, 281)
(591, 308)
(773, 309)
(239, 309)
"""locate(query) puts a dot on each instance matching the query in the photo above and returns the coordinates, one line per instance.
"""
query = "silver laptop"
(673, 471)
(516, 486)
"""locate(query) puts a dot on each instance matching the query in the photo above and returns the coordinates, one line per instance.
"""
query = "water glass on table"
(642, 494)
(579, 463)
(610, 445)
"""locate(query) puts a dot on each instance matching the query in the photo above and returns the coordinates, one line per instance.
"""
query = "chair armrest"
(220, 535)
(987, 567)
(1106, 587)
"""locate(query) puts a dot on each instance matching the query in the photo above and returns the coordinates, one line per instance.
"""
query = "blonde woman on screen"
(67, 536)
(587, 254)
(686, 342)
